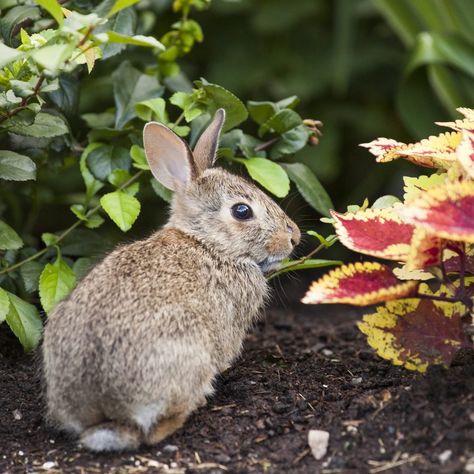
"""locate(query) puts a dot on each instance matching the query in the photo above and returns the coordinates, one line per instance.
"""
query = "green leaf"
(281, 122)
(4, 305)
(306, 265)
(49, 239)
(290, 142)
(384, 202)
(164, 193)
(139, 158)
(122, 208)
(82, 266)
(7, 55)
(56, 282)
(10, 20)
(52, 57)
(9, 239)
(131, 87)
(326, 241)
(137, 40)
(53, 8)
(216, 97)
(16, 167)
(92, 185)
(261, 111)
(309, 187)
(94, 221)
(269, 174)
(25, 322)
(102, 160)
(120, 5)
(152, 109)
(44, 126)
(30, 273)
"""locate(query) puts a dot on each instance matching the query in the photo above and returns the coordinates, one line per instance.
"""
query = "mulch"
(303, 368)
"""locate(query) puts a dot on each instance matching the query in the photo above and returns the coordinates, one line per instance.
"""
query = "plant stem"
(68, 230)
(25, 100)
(276, 272)
(267, 144)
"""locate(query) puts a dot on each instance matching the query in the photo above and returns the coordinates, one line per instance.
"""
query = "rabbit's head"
(224, 211)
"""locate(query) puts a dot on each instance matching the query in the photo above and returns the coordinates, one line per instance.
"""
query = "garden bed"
(303, 368)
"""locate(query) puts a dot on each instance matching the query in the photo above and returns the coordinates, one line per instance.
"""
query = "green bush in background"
(78, 80)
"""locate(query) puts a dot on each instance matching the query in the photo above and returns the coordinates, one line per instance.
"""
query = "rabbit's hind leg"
(167, 425)
(111, 436)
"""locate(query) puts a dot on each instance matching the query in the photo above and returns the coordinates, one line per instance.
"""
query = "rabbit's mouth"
(270, 263)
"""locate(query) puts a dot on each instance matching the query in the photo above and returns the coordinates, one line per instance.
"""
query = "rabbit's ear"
(169, 157)
(206, 147)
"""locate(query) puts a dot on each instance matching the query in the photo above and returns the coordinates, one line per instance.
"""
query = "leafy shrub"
(429, 299)
(77, 85)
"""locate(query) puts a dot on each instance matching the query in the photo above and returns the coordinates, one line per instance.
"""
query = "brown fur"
(135, 348)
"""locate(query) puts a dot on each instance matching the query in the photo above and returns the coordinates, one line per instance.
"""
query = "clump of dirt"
(302, 368)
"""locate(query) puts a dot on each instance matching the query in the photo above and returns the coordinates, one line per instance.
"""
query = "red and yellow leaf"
(446, 211)
(465, 152)
(467, 123)
(360, 284)
(425, 250)
(433, 152)
(376, 232)
(413, 187)
(416, 333)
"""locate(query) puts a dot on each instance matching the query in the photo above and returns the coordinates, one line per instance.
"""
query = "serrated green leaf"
(9, 239)
(53, 8)
(56, 282)
(25, 322)
(94, 221)
(52, 57)
(49, 239)
(131, 87)
(281, 122)
(44, 126)
(261, 111)
(120, 5)
(79, 211)
(16, 167)
(164, 193)
(139, 158)
(82, 266)
(137, 40)
(7, 55)
(30, 273)
(122, 208)
(269, 174)
(4, 304)
(104, 159)
(216, 97)
(152, 109)
(309, 187)
(92, 185)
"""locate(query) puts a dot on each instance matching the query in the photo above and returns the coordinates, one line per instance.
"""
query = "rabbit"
(136, 346)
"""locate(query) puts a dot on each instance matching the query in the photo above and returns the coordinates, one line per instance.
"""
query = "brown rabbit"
(135, 348)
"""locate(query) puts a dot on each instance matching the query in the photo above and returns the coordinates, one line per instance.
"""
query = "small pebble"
(279, 408)
(356, 381)
(469, 467)
(222, 458)
(318, 441)
(327, 352)
(48, 465)
(444, 456)
(173, 465)
(52, 441)
(170, 448)
(21, 453)
(17, 415)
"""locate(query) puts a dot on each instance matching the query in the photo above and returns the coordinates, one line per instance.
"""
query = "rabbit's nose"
(295, 234)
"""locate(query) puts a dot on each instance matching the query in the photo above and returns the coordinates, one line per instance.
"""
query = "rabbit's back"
(159, 307)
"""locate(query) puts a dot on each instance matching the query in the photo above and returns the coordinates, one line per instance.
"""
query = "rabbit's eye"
(242, 211)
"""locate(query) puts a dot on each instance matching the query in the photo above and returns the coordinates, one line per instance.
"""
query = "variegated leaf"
(446, 211)
(416, 333)
(465, 152)
(433, 152)
(376, 232)
(425, 250)
(360, 284)
(413, 187)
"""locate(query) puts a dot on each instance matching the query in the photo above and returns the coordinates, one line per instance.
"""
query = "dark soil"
(303, 368)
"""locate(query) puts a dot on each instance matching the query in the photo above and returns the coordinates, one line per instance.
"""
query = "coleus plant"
(428, 294)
